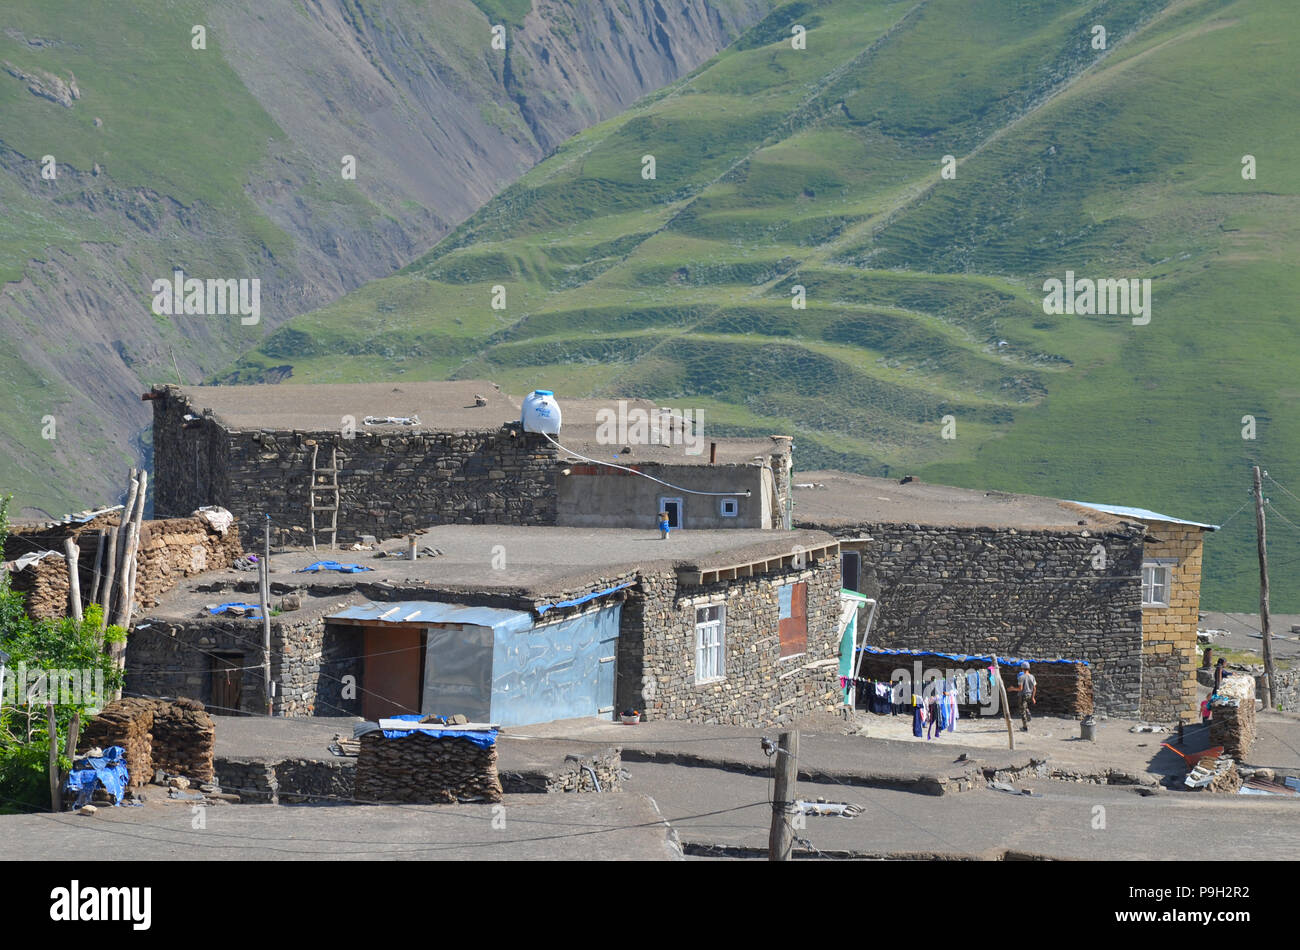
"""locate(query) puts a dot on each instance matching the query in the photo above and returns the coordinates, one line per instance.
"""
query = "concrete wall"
(390, 483)
(657, 649)
(1031, 594)
(1169, 652)
(593, 496)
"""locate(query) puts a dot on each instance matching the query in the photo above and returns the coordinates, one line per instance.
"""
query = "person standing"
(1219, 674)
(1027, 687)
(664, 525)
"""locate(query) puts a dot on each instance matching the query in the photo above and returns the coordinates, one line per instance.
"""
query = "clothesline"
(963, 657)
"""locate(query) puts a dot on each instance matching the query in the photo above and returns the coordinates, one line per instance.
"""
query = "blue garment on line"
(332, 566)
(918, 728)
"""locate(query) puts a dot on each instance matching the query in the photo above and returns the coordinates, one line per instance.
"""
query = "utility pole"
(264, 575)
(780, 840)
(56, 796)
(1266, 694)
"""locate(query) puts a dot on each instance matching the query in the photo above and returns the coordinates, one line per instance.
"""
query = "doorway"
(226, 684)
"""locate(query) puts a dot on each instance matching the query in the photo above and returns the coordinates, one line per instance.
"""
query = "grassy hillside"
(778, 169)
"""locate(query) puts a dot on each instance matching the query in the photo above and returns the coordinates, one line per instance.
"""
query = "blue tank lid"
(542, 392)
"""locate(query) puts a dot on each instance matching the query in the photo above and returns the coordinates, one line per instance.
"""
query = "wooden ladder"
(327, 488)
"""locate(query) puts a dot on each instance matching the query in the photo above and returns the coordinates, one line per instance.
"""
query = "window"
(1155, 582)
(729, 507)
(792, 618)
(674, 508)
(710, 629)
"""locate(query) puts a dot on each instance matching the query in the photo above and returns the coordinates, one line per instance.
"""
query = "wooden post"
(73, 554)
(780, 840)
(74, 733)
(1266, 694)
(94, 580)
(105, 599)
(1006, 704)
(128, 514)
(56, 800)
(264, 575)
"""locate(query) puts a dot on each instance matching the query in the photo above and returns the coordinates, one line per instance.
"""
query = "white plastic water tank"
(541, 412)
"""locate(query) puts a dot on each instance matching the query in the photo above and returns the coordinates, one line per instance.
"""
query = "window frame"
(1164, 565)
(718, 647)
(795, 623)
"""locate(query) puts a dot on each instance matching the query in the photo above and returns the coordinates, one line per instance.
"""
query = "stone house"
(333, 463)
(957, 570)
(520, 625)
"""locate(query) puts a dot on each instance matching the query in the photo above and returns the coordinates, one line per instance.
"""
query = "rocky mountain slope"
(137, 138)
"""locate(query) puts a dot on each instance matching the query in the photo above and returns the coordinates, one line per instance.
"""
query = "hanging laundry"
(918, 719)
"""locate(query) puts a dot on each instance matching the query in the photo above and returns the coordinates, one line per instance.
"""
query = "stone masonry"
(1036, 594)
(1169, 651)
(657, 649)
(391, 482)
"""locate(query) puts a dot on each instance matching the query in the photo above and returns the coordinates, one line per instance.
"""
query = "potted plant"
(630, 717)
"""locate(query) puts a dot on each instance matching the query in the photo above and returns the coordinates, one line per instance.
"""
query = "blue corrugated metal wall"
(553, 672)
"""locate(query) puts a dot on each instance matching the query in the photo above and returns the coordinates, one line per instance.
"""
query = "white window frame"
(710, 645)
(1162, 565)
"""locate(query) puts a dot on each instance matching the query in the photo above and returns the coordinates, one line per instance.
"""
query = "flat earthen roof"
(536, 563)
(832, 500)
(450, 406)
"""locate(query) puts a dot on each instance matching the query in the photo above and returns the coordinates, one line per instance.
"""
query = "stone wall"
(390, 483)
(594, 496)
(575, 775)
(309, 662)
(1169, 652)
(170, 549)
(656, 664)
(1010, 592)
(424, 769)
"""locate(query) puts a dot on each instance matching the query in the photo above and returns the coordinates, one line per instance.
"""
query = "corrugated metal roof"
(1143, 514)
(424, 611)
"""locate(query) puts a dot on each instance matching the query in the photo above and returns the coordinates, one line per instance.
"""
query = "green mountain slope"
(782, 172)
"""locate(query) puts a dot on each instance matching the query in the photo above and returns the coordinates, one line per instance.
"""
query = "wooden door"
(391, 671)
(225, 684)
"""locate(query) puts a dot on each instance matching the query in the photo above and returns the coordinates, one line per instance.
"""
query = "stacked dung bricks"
(1232, 721)
(177, 737)
(420, 768)
(183, 739)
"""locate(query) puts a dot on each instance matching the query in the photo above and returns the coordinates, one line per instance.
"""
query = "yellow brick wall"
(1169, 652)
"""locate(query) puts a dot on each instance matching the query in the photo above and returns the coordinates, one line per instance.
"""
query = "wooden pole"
(1266, 694)
(73, 554)
(128, 513)
(56, 801)
(780, 840)
(110, 570)
(99, 560)
(1006, 704)
(74, 733)
(264, 576)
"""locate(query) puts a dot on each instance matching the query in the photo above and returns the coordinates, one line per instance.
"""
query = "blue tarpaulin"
(584, 598)
(107, 770)
(484, 739)
(1002, 660)
(332, 566)
(221, 609)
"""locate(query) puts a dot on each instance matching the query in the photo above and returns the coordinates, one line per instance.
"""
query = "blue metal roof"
(424, 611)
(1143, 514)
